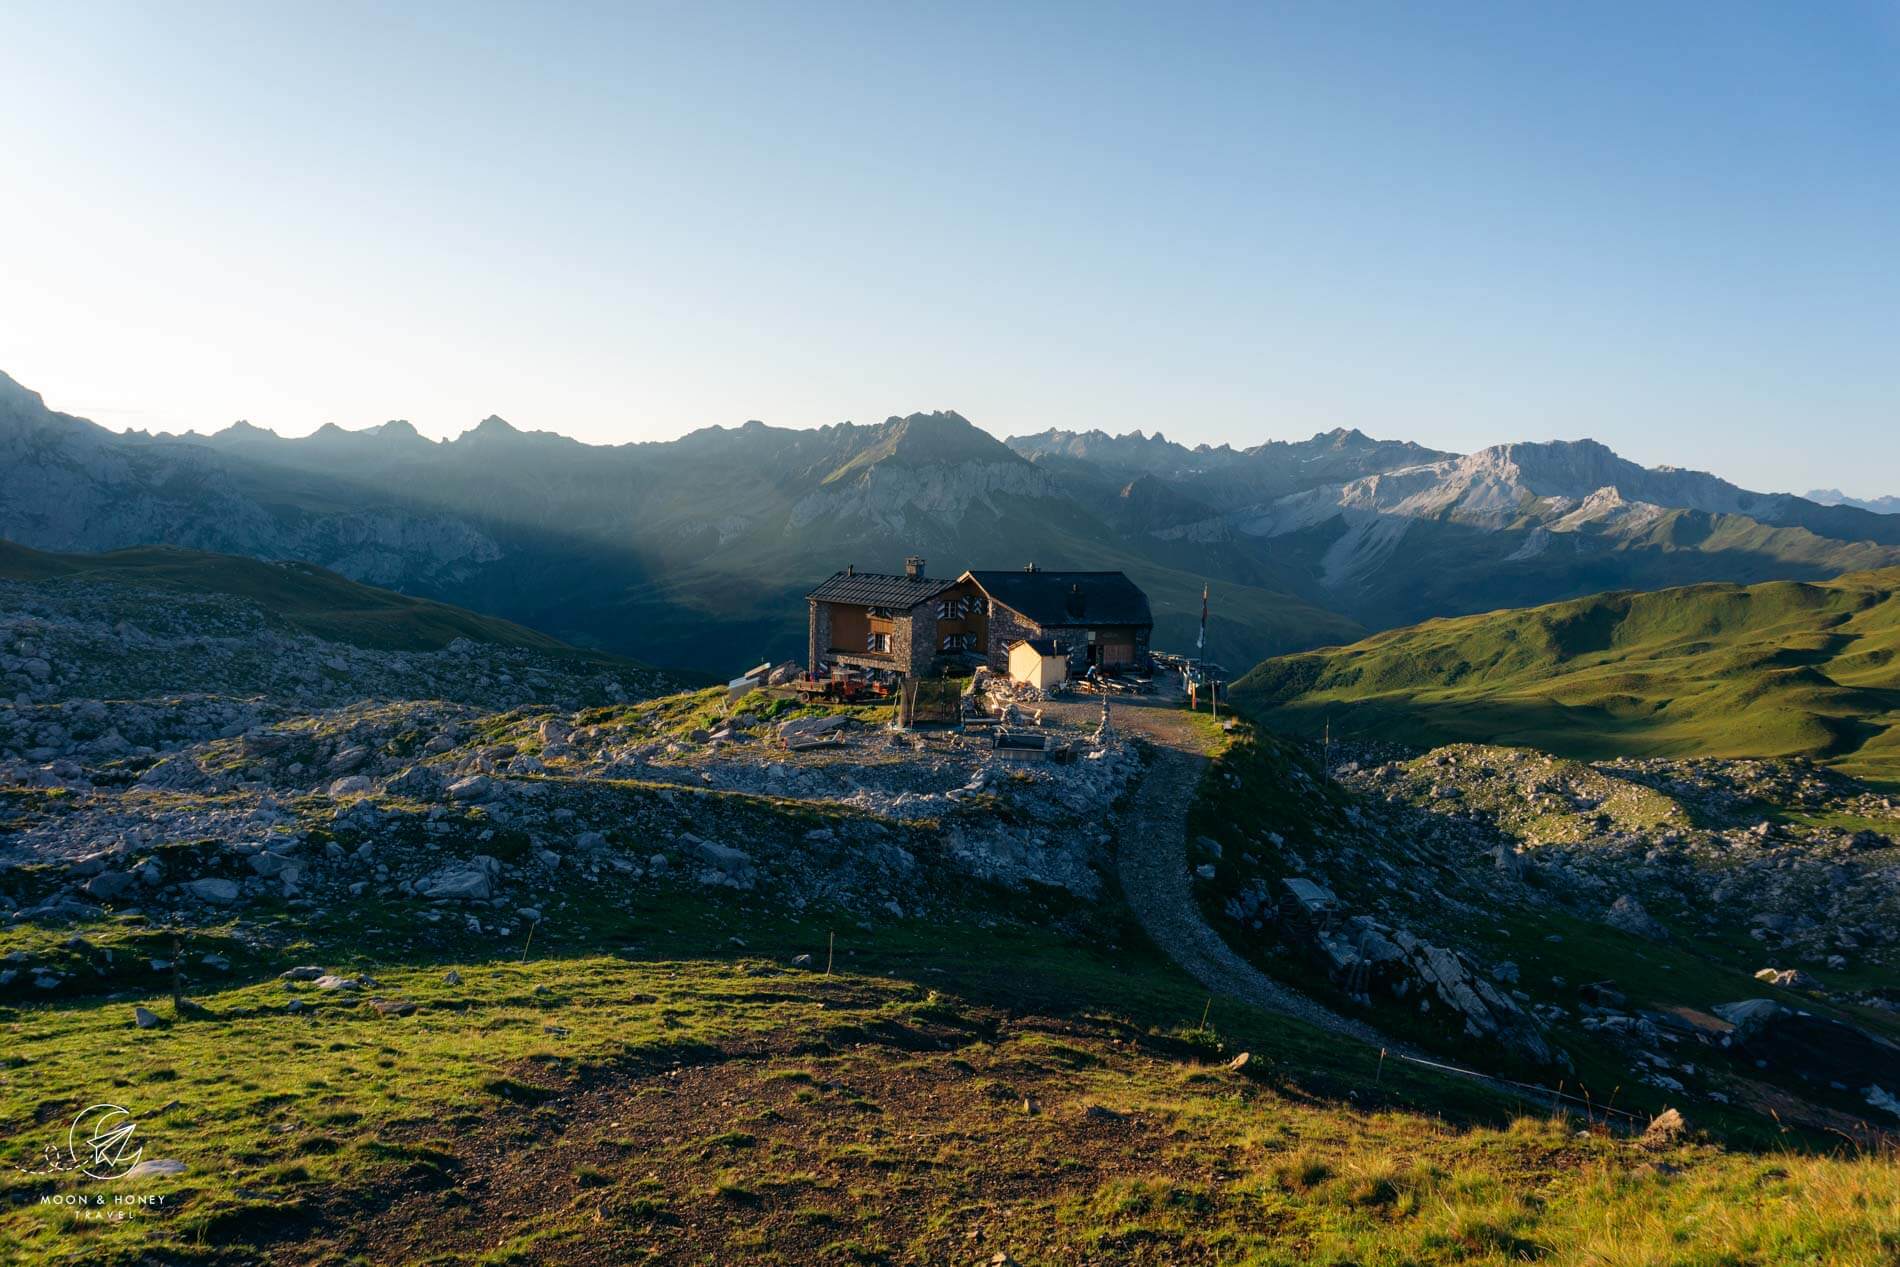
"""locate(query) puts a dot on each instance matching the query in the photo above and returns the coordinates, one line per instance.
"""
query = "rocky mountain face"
(697, 552)
(1388, 533)
(70, 485)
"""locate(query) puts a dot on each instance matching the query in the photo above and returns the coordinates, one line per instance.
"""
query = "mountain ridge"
(697, 551)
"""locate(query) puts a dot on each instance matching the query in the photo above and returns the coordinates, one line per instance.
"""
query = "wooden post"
(831, 949)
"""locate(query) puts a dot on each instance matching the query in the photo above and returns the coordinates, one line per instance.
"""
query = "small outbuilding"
(1038, 662)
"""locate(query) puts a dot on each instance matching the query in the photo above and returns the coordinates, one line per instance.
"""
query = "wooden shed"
(1038, 662)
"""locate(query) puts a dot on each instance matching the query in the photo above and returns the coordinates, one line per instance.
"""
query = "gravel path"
(1152, 860)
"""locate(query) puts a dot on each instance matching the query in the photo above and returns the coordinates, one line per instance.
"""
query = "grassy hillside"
(685, 1096)
(1777, 669)
(305, 596)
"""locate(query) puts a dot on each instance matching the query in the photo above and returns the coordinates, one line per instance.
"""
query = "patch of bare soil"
(926, 1140)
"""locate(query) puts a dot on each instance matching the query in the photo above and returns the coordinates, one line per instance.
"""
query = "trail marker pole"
(831, 948)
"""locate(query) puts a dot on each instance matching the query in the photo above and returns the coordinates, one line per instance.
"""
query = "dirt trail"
(1151, 856)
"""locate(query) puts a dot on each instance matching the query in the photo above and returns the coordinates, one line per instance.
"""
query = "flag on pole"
(1201, 642)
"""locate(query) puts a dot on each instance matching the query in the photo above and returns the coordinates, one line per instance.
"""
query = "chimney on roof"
(914, 567)
(1075, 604)
(850, 569)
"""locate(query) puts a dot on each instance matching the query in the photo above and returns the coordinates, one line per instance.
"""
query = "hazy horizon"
(1463, 226)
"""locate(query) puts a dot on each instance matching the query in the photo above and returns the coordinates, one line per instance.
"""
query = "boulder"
(175, 771)
(811, 727)
(270, 865)
(729, 867)
(219, 892)
(157, 1167)
(110, 886)
(349, 759)
(470, 881)
(1750, 1016)
(416, 781)
(352, 785)
(1665, 1128)
(145, 1019)
(1628, 915)
(476, 787)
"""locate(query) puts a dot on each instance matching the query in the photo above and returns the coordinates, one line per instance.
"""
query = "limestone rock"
(1627, 914)
(215, 890)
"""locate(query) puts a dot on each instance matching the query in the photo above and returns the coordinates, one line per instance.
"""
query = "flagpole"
(1201, 642)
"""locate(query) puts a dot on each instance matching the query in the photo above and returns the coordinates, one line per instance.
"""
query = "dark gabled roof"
(875, 589)
(1068, 598)
(1044, 647)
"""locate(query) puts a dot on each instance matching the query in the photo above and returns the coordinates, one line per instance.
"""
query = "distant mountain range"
(1835, 497)
(697, 552)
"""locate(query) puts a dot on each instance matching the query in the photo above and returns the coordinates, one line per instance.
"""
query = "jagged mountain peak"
(395, 429)
(1132, 450)
(941, 436)
(495, 430)
(247, 435)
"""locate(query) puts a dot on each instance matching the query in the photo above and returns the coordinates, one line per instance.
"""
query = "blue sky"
(1675, 228)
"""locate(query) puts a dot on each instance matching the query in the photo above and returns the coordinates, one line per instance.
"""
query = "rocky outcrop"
(1369, 959)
